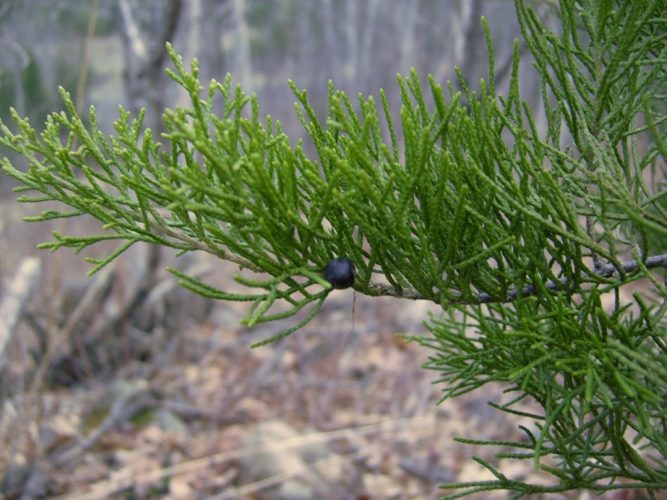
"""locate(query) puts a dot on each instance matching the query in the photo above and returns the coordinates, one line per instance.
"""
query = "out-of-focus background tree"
(125, 383)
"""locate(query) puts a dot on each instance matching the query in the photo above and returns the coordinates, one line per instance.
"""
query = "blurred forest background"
(125, 385)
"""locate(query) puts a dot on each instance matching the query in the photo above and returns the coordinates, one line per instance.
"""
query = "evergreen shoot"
(526, 238)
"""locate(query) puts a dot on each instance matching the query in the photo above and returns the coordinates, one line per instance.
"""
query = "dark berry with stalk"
(340, 273)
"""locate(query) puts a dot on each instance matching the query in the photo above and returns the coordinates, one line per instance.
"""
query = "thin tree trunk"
(365, 73)
(409, 23)
(330, 41)
(352, 39)
(243, 63)
(145, 34)
(144, 38)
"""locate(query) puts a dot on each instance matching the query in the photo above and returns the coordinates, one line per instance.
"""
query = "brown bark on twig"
(603, 270)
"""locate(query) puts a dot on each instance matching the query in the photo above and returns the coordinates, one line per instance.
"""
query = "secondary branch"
(603, 271)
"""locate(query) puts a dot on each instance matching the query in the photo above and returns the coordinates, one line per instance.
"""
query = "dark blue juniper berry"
(340, 272)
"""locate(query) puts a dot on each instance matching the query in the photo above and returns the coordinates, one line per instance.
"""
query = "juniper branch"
(603, 271)
(467, 203)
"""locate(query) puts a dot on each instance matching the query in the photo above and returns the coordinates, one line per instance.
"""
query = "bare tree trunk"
(330, 41)
(352, 41)
(367, 36)
(146, 30)
(210, 27)
(462, 28)
(145, 33)
(243, 63)
(196, 20)
(409, 23)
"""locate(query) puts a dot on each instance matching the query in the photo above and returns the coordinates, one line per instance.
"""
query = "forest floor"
(164, 398)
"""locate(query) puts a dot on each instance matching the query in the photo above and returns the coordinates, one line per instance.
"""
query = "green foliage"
(466, 203)
(596, 368)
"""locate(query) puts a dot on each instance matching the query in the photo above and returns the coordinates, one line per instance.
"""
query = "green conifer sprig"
(596, 371)
(233, 186)
(517, 233)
